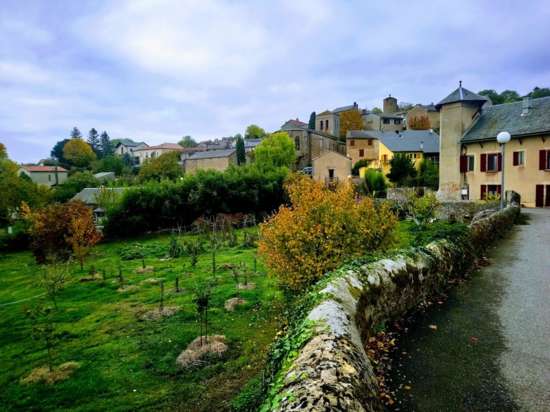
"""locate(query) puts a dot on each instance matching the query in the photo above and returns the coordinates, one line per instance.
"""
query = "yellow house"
(378, 148)
(331, 167)
(45, 175)
(471, 163)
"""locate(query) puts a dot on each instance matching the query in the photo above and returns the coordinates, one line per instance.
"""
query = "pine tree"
(75, 133)
(93, 140)
(311, 124)
(106, 146)
(241, 153)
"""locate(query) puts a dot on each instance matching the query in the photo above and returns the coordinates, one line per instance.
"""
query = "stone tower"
(457, 113)
(390, 104)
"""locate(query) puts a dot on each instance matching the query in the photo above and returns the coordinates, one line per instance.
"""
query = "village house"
(45, 175)
(429, 112)
(331, 167)
(127, 146)
(151, 152)
(209, 160)
(471, 163)
(378, 148)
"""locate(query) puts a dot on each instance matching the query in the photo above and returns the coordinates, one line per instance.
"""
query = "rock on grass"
(43, 373)
(196, 353)
(232, 303)
(157, 314)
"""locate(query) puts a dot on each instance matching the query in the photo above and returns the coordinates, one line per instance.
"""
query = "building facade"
(218, 160)
(331, 168)
(45, 175)
(151, 152)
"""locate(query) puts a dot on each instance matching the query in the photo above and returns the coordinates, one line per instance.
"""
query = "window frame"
(488, 168)
(361, 152)
(470, 163)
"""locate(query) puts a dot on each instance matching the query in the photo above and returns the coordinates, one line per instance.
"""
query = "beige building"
(209, 160)
(150, 152)
(45, 175)
(331, 168)
(471, 165)
(329, 121)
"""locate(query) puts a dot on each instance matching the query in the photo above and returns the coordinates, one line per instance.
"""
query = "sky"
(156, 70)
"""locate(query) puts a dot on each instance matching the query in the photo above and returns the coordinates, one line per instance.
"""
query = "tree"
(78, 153)
(374, 183)
(254, 132)
(320, 230)
(428, 174)
(402, 170)
(419, 123)
(510, 96)
(241, 152)
(188, 141)
(106, 146)
(93, 141)
(359, 165)
(350, 120)
(3, 151)
(53, 278)
(75, 133)
(377, 110)
(311, 123)
(276, 150)
(539, 92)
(61, 230)
(166, 166)
(75, 184)
(57, 151)
(111, 163)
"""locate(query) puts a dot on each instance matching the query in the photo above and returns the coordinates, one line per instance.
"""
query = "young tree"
(276, 150)
(320, 230)
(402, 170)
(78, 153)
(375, 183)
(166, 166)
(241, 153)
(428, 174)
(188, 141)
(53, 279)
(311, 123)
(93, 141)
(82, 235)
(75, 133)
(106, 146)
(254, 132)
(111, 163)
(350, 120)
(43, 330)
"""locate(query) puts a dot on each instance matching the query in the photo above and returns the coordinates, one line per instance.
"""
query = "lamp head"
(503, 137)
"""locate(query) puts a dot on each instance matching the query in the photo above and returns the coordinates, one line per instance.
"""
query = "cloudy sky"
(156, 70)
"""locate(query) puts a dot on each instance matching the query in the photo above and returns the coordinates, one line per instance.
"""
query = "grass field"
(128, 363)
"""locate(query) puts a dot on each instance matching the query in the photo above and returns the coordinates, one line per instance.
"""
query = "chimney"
(525, 105)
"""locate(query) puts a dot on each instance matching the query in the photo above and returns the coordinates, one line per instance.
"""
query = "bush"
(168, 204)
(454, 232)
(374, 183)
(19, 239)
(74, 184)
(320, 230)
(175, 249)
(358, 165)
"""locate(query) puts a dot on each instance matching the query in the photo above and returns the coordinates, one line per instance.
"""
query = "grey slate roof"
(508, 116)
(425, 141)
(88, 195)
(211, 154)
(294, 125)
(128, 142)
(345, 108)
(462, 95)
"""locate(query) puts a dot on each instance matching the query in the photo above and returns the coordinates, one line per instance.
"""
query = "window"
(385, 158)
(489, 190)
(361, 152)
(297, 142)
(544, 160)
(397, 121)
(326, 124)
(518, 158)
(470, 163)
(491, 162)
(386, 121)
(331, 174)
(352, 142)
(369, 142)
(321, 125)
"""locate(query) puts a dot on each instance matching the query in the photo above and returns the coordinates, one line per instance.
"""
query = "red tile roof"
(32, 168)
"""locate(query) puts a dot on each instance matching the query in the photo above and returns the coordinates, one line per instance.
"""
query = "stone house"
(127, 146)
(150, 152)
(329, 121)
(209, 160)
(331, 167)
(380, 147)
(471, 163)
(429, 111)
(45, 175)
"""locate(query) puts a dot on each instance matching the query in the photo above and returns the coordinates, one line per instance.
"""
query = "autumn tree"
(166, 166)
(82, 235)
(254, 132)
(320, 230)
(276, 150)
(78, 153)
(350, 120)
(421, 122)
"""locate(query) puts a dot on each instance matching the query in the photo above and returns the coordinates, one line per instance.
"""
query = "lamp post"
(503, 138)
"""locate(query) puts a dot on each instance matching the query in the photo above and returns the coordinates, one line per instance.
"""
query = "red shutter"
(499, 162)
(515, 159)
(463, 164)
(539, 197)
(542, 159)
(483, 192)
(547, 202)
(483, 162)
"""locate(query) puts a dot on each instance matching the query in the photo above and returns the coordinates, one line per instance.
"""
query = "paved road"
(524, 263)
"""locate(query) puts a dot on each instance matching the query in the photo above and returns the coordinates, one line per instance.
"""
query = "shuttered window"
(544, 160)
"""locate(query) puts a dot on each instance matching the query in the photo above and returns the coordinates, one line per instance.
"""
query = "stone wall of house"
(332, 370)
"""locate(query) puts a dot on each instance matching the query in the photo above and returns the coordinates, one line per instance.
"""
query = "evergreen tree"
(93, 140)
(241, 153)
(75, 133)
(402, 170)
(106, 146)
(311, 124)
(57, 151)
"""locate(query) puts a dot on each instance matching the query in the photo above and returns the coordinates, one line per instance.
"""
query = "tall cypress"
(311, 124)
(93, 140)
(241, 153)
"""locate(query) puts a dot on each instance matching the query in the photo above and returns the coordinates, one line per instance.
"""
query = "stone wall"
(332, 371)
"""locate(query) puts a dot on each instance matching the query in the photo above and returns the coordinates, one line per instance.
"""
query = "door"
(539, 196)
(547, 201)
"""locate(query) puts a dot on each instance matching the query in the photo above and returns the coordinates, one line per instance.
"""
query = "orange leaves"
(320, 230)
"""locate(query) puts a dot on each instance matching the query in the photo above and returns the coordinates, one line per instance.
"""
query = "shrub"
(166, 166)
(402, 170)
(17, 240)
(320, 230)
(175, 249)
(421, 209)
(358, 165)
(75, 184)
(455, 232)
(374, 183)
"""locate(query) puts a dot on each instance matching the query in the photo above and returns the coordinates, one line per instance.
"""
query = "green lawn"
(128, 363)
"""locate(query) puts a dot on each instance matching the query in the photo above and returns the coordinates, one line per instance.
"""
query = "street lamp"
(503, 138)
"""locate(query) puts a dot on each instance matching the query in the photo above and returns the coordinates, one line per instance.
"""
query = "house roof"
(128, 142)
(89, 194)
(391, 115)
(211, 154)
(345, 108)
(45, 169)
(509, 117)
(101, 175)
(169, 146)
(425, 141)
(251, 143)
(462, 94)
(324, 113)
(294, 124)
